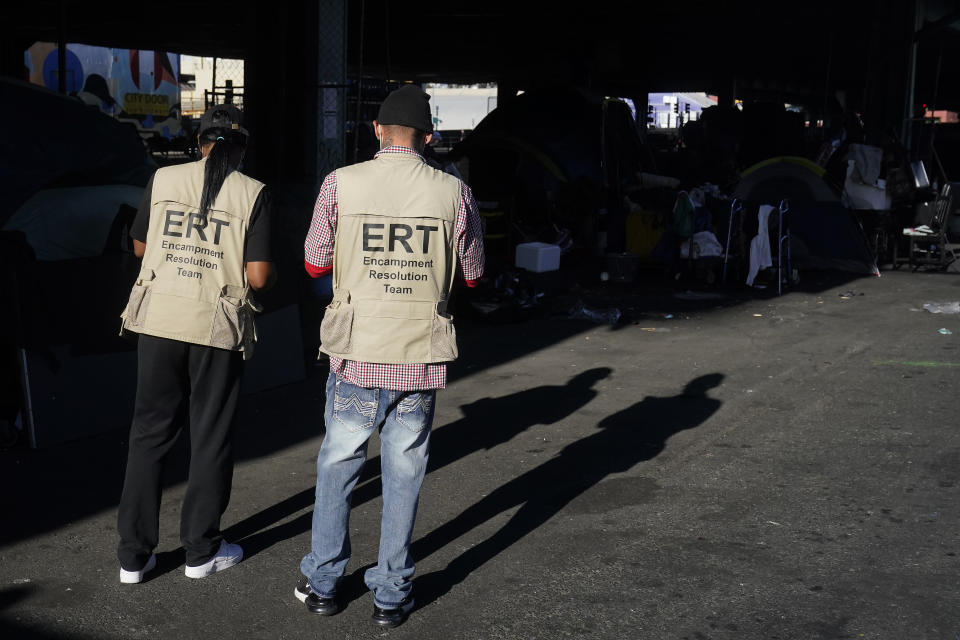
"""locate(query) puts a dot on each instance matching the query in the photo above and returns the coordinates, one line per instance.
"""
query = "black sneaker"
(315, 604)
(395, 616)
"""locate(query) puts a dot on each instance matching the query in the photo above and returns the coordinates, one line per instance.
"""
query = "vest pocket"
(336, 328)
(443, 338)
(135, 312)
(233, 325)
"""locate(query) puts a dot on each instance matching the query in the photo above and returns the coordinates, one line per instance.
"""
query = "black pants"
(177, 384)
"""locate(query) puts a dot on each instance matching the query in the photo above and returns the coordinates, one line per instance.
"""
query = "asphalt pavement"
(717, 464)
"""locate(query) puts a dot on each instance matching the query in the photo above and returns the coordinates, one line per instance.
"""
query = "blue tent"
(825, 235)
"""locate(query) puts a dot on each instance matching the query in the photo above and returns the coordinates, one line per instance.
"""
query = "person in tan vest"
(203, 232)
(394, 233)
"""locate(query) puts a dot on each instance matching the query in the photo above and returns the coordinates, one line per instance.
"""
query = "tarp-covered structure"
(72, 178)
(77, 222)
(556, 156)
(50, 140)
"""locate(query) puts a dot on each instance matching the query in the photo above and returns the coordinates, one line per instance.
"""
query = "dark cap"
(223, 116)
(408, 106)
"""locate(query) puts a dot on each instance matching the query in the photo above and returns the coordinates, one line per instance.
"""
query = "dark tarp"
(556, 155)
(72, 178)
(77, 222)
(74, 175)
(50, 140)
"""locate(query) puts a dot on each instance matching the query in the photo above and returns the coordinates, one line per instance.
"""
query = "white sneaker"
(227, 556)
(133, 577)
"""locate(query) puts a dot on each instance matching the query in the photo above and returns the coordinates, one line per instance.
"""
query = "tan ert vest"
(192, 285)
(394, 260)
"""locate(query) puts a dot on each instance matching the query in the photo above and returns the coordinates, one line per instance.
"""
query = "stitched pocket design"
(415, 410)
(354, 407)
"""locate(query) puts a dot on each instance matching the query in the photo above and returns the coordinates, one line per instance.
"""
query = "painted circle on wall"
(74, 71)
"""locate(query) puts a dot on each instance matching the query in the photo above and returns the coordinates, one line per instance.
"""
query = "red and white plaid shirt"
(318, 261)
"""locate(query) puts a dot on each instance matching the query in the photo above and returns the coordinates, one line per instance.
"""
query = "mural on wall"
(140, 87)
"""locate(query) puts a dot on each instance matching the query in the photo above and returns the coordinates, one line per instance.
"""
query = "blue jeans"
(352, 414)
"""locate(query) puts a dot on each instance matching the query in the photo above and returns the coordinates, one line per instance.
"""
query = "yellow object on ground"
(644, 230)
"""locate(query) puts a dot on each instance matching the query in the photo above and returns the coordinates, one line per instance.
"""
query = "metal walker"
(782, 243)
(783, 238)
(735, 207)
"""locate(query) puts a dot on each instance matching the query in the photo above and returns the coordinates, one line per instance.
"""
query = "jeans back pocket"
(415, 410)
(354, 407)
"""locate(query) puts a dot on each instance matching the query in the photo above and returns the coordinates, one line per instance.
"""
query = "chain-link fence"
(214, 81)
(227, 83)
(331, 85)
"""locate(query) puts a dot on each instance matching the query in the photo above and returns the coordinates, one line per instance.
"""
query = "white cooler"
(538, 256)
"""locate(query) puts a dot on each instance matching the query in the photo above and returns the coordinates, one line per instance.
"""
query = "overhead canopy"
(793, 50)
(829, 59)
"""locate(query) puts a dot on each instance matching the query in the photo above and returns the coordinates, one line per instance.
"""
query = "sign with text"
(146, 104)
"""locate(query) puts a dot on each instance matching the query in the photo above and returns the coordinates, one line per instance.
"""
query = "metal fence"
(217, 81)
(227, 83)
(331, 85)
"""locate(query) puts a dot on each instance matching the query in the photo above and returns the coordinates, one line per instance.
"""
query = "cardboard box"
(538, 256)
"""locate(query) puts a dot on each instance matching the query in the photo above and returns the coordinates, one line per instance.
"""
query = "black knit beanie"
(408, 106)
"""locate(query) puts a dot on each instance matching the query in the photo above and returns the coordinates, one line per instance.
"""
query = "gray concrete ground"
(753, 467)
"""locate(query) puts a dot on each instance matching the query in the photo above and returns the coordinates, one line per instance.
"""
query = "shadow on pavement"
(167, 561)
(85, 476)
(15, 629)
(624, 439)
(487, 423)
